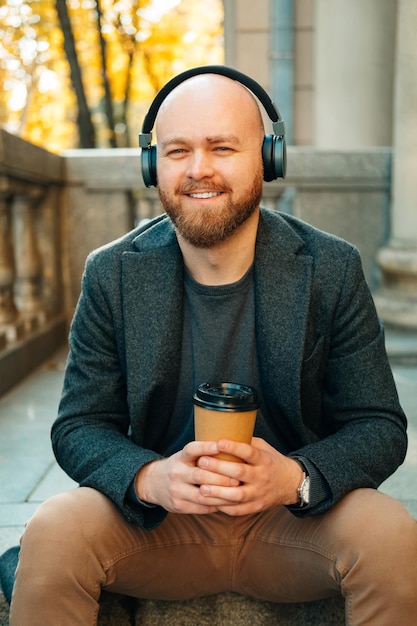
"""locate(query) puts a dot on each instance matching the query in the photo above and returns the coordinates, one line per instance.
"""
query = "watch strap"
(319, 488)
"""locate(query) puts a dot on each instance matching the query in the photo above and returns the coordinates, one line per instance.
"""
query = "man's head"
(209, 159)
(274, 155)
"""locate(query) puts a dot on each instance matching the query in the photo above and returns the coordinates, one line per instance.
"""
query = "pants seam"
(311, 547)
(158, 545)
(298, 544)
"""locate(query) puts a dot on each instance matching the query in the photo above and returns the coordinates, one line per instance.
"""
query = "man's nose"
(200, 165)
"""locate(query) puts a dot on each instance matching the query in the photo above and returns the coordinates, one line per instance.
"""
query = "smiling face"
(209, 158)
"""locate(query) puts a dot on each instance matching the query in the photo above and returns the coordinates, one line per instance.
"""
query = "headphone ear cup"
(148, 165)
(274, 157)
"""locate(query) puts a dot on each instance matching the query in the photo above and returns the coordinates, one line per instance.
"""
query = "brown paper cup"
(225, 411)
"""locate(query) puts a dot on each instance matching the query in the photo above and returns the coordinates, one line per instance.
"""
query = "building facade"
(343, 73)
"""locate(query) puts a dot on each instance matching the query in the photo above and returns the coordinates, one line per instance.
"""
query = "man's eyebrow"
(213, 139)
(223, 138)
(171, 140)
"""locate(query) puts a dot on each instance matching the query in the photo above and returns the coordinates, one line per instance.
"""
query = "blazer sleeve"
(90, 436)
(362, 438)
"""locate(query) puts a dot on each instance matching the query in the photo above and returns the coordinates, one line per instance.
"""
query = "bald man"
(218, 289)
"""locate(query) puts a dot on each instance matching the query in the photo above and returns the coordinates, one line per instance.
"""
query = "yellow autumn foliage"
(146, 43)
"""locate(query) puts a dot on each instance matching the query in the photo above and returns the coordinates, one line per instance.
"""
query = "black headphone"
(274, 151)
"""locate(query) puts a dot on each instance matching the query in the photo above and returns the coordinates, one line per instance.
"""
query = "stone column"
(354, 62)
(397, 298)
(11, 326)
(8, 312)
(27, 257)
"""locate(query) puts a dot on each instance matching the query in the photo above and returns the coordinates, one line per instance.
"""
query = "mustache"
(192, 186)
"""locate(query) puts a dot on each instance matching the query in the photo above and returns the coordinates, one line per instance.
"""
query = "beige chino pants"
(77, 544)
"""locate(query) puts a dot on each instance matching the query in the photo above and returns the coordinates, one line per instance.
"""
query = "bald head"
(210, 94)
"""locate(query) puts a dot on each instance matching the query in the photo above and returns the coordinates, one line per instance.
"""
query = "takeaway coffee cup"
(225, 411)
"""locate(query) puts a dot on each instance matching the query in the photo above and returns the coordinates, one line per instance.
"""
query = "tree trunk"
(85, 124)
(126, 100)
(107, 92)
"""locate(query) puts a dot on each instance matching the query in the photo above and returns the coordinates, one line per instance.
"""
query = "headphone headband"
(274, 160)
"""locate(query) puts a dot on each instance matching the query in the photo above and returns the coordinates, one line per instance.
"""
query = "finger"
(222, 496)
(236, 470)
(194, 449)
(188, 500)
(244, 451)
(207, 477)
(199, 502)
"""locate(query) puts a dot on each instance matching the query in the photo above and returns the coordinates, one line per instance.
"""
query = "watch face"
(305, 491)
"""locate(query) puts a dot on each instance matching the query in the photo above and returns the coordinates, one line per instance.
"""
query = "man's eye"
(176, 151)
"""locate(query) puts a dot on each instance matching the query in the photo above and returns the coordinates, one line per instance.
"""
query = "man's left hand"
(267, 478)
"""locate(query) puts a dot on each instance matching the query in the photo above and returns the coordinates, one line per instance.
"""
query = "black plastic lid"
(226, 397)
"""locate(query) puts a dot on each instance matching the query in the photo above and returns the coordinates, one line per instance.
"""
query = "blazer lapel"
(283, 282)
(152, 302)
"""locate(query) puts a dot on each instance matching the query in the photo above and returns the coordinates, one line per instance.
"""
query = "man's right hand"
(174, 482)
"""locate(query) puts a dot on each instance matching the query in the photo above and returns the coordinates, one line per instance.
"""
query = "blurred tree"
(100, 72)
(85, 124)
(35, 98)
(106, 82)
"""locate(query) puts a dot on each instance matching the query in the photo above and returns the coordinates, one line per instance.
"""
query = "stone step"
(225, 609)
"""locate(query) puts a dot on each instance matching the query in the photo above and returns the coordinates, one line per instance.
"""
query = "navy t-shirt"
(218, 345)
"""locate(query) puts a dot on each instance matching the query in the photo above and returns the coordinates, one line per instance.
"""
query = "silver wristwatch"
(304, 491)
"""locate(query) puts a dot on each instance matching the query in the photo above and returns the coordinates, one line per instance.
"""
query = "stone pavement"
(28, 471)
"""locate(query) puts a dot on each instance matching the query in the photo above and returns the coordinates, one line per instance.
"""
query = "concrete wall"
(348, 194)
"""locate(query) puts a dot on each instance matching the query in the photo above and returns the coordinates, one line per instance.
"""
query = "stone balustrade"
(32, 316)
(54, 209)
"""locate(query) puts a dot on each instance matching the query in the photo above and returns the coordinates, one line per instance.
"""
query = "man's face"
(209, 164)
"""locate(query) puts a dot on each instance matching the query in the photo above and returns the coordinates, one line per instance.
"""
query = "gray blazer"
(323, 366)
